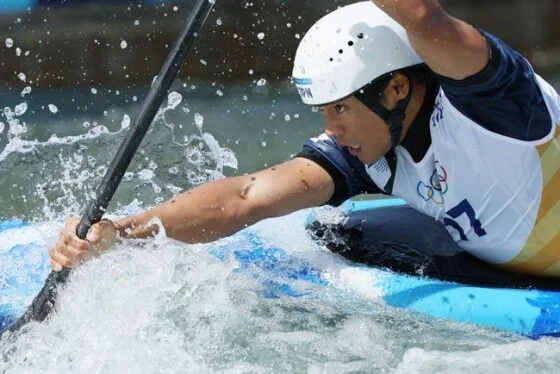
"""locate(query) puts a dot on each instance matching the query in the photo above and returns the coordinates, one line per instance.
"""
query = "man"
(417, 104)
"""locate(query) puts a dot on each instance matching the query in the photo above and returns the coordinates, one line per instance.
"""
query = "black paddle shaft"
(45, 300)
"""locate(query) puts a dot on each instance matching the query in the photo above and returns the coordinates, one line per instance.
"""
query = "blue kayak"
(398, 255)
(24, 267)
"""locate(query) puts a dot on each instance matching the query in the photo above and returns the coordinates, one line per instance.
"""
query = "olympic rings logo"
(437, 187)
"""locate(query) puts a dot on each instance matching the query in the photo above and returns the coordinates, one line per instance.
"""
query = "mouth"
(354, 150)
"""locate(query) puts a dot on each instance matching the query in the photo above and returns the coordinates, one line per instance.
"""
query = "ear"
(397, 89)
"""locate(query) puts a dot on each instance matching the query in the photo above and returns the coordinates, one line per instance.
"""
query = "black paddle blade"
(44, 303)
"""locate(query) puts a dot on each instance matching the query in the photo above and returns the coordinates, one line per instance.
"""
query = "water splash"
(61, 172)
(172, 306)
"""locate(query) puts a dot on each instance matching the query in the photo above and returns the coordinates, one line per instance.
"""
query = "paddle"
(44, 302)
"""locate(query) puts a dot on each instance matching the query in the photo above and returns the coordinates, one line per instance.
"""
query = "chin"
(367, 160)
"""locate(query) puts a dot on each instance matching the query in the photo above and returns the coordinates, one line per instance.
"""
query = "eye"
(339, 108)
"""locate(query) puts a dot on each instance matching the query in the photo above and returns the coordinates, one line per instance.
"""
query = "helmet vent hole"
(350, 43)
(360, 36)
(340, 51)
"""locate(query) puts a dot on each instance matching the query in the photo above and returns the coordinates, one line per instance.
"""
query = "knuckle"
(53, 250)
(67, 263)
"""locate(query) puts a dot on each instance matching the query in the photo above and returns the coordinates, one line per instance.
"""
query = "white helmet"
(347, 49)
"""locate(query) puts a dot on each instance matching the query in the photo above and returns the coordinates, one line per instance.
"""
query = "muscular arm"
(223, 207)
(449, 46)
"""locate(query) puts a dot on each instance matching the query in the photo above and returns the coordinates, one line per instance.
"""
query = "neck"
(417, 130)
(416, 101)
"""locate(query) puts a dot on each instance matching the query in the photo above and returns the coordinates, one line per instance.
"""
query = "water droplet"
(261, 82)
(134, 98)
(297, 36)
(263, 144)
(288, 25)
(123, 44)
(260, 35)
(203, 62)
(219, 93)
(94, 91)
(9, 42)
(251, 71)
(198, 120)
(18, 51)
(176, 8)
(136, 23)
(174, 99)
(125, 121)
(245, 97)
(22, 77)
(25, 91)
(146, 174)
(20, 109)
(53, 108)
(287, 117)
(219, 21)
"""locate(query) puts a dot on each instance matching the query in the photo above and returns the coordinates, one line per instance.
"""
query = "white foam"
(21, 236)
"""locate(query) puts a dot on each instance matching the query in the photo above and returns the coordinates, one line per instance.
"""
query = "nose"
(332, 129)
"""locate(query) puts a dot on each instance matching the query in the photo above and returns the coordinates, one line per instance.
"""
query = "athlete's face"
(356, 127)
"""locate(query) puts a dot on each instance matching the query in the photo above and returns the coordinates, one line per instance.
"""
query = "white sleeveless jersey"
(497, 196)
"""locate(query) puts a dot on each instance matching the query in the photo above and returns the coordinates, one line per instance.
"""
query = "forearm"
(209, 212)
(413, 15)
(449, 46)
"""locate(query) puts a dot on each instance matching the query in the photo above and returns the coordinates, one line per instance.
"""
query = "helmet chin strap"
(370, 96)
